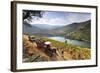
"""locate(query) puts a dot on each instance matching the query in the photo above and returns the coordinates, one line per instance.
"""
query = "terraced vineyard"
(31, 52)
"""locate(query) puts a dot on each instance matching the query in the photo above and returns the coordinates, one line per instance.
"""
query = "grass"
(75, 52)
(55, 43)
(71, 52)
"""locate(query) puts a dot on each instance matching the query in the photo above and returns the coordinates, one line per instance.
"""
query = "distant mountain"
(31, 29)
(80, 31)
(45, 26)
(83, 32)
(39, 29)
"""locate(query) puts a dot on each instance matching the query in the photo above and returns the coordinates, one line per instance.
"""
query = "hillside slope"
(31, 53)
(83, 32)
(79, 31)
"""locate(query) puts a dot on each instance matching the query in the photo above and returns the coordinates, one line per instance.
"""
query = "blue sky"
(61, 18)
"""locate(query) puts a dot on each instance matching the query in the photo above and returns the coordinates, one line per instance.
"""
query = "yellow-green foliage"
(75, 52)
(71, 52)
(59, 45)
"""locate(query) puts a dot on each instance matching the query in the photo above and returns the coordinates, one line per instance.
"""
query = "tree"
(27, 14)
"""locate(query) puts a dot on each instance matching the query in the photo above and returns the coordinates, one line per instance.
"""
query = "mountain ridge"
(79, 31)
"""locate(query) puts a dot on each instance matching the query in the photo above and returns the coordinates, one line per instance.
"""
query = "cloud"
(77, 17)
(54, 21)
(61, 18)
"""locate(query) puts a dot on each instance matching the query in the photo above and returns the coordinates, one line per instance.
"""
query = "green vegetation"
(82, 32)
(75, 52)
(77, 31)
(55, 43)
(70, 52)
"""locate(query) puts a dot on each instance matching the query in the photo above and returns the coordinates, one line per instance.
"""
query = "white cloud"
(61, 18)
(54, 21)
(77, 17)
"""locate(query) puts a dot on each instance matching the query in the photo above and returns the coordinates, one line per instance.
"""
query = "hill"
(32, 53)
(38, 29)
(79, 31)
(83, 32)
(31, 29)
(45, 26)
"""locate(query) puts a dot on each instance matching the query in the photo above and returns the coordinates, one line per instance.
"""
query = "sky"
(61, 18)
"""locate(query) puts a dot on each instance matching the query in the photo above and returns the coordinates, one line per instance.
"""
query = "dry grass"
(70, 52)
(31, 48)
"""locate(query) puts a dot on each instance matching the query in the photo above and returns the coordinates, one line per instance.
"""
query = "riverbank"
(73, 38)
(71, 41)
(66, 51)
(71, 52)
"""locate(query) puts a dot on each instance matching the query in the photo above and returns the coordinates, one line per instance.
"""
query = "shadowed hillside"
(78, 31)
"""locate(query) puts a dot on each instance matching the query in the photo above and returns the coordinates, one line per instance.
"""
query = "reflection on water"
(70, 41)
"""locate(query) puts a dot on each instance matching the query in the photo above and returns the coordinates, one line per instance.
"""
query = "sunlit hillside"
(32, 53)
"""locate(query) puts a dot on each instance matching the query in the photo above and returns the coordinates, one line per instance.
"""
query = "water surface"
(70, 41)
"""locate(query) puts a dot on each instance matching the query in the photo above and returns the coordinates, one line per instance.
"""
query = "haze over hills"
(30, 29)
(39, 29)
(46, 26)
(79, 31)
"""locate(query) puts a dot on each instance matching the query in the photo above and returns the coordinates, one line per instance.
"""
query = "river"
(70, 41)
